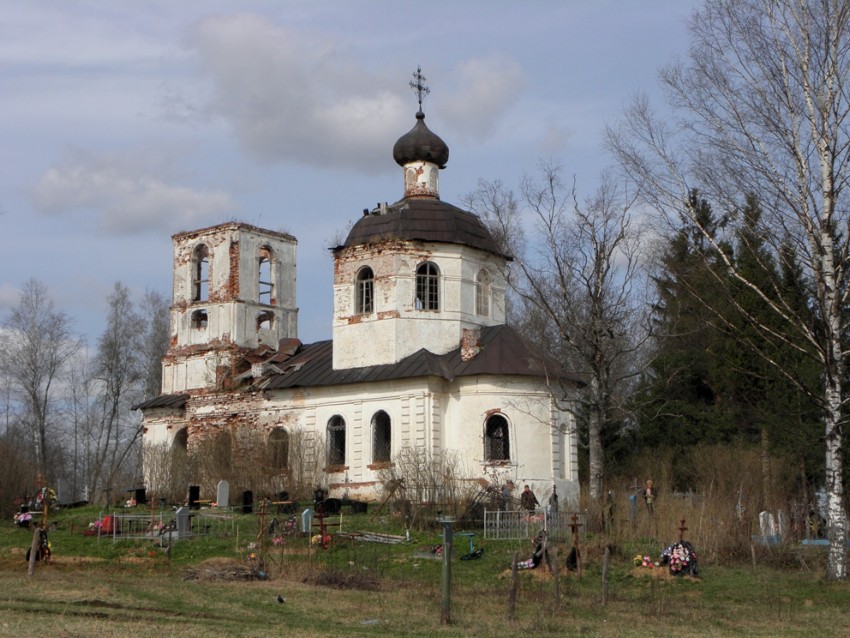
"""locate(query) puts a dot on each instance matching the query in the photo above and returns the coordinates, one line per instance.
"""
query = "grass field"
(94, 587)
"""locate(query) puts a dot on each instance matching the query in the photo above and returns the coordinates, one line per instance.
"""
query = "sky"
(122, 123)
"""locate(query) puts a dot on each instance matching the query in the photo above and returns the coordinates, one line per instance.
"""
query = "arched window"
(200, 320)
(427, 287)
(200, 273)
(381, 437)
(265, 280)
(279, 449)
(496, 441)
(365, 291)
(265, 320)
(336, 441)
(482, 293)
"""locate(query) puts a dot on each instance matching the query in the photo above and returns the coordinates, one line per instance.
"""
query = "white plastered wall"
(433, 415)
(396, 328)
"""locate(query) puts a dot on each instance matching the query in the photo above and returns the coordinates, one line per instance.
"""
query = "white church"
(421, 358)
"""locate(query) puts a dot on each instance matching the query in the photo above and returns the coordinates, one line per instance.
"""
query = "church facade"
(421, 363)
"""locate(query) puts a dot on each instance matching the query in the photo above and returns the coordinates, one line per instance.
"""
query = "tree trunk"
(594, 440)
(767, 500)
(836, 568)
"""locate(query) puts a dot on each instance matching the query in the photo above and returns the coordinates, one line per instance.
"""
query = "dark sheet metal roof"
(502, 352)
(175, 401)
(421, 144)
(423, 219)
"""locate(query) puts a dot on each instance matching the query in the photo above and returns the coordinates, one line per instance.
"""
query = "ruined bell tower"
(233, 293)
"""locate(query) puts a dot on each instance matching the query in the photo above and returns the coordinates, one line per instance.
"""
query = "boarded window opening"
(279, 449)
(482, 294)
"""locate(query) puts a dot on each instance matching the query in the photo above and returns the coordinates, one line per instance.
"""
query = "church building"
(421, 364)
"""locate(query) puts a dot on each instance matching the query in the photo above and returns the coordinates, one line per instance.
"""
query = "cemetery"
(501, 571)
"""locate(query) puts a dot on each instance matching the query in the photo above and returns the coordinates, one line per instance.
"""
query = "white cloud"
(484, 91)
(290, 96)
(302, 97)
(125, 197)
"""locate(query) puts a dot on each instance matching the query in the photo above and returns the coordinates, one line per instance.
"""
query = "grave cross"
(261, 523)
(682, 530)
(574, 527)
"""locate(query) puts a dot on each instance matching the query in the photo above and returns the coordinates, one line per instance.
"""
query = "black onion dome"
(429, 220)
(420, 144)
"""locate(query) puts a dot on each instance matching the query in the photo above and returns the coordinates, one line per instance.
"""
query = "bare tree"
(34, 350)
(577, 289)
(763, 107)
(82, 419)
(155, 313)
(119, 373)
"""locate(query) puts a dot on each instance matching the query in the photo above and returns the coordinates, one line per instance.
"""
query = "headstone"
(247, 502)
(184, 524)
(767, 524)
(141, 496)
(222, 494)
(194, 496)
(307, 521)
(63, 492)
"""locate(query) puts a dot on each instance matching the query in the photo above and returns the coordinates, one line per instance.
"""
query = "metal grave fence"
(167, 525)
(514, 524)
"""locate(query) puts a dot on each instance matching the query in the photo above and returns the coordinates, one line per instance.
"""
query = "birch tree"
(118, 369)
(35, 347)
(762, 107)
(155, 312)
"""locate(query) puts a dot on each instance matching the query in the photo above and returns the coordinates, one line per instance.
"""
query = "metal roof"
(422, 219)
(502, 352)
(176, 401)
(421, 144)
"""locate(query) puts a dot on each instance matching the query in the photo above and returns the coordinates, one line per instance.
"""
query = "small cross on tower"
(418, 86)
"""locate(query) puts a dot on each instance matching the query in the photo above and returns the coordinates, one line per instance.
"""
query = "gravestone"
(247, 502)
(141, 496)
(63, 492)
(307, 521)
(184, 524)
(767, 524)
(222, 494)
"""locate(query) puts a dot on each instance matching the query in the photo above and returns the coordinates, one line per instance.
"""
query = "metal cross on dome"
(418, 85)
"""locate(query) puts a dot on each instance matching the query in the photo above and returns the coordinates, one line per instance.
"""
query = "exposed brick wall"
(470, 344)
